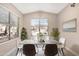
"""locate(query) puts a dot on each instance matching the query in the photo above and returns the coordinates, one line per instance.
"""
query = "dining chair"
(51, 50)
(19, 50)
(29, 50)
(61, 44)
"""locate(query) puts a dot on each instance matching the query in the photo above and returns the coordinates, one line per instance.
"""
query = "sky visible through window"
(39, 21)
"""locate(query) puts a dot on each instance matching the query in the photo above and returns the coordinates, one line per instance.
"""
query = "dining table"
(38, 45)
(30, 41)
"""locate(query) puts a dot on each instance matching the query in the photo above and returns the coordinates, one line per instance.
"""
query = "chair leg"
(17, 51)
(58, 51)
(62, 51)
(21, 51)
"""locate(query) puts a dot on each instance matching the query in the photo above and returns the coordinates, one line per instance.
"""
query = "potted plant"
(40, 35)
(55, 33)
(23, 34)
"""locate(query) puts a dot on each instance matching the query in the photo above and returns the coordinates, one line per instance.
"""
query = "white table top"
(29, 41)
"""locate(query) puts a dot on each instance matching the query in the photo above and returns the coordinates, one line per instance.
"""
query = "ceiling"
(47, 7)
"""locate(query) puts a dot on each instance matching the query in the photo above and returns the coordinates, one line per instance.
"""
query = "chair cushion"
(29, 49)
(51, 50)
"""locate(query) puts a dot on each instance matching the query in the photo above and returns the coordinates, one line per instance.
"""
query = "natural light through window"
(39, 26)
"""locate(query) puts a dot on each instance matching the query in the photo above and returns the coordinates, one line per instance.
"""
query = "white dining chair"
(61, 44)
(20, 46)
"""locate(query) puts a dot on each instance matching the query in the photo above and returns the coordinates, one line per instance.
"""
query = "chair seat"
(51, 50)
(60, 46)
(29, 49)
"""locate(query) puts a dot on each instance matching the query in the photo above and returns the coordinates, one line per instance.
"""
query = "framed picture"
(70, 26)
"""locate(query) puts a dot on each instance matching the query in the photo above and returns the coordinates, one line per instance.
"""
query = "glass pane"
(35, 28)
(13, 20)
(4, 22)
(35, 22)
(44, 26)
(44, 22)
(13, 26)
(39, 25)
(4, 16)
(13, 32)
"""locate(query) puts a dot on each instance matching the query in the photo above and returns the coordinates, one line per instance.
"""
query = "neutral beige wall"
(11, 44)
(72, 38)
(39, 14)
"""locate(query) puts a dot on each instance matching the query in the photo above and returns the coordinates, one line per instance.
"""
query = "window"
(44, 26)
(44, 22)
(4, 28)
(35, 22)
(13, 26)
(39, 25)
(8, 25)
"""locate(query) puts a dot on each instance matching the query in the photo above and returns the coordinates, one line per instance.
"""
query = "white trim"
(71, 51)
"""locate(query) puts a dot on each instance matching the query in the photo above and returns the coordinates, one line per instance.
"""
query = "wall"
(11, 44)
(39, 14)
(72, 38)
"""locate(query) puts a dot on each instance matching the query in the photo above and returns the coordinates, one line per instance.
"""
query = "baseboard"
(71, 51)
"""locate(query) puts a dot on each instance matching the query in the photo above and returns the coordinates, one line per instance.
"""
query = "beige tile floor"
(67, 53)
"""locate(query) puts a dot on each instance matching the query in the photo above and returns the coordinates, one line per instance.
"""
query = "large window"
(13, 26)
(43, 26)
(39, 25)
(8, 25)
(4, 28)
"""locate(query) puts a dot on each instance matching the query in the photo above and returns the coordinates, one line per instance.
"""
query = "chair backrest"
(51, 50)
(62, 40)
(29, 49)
